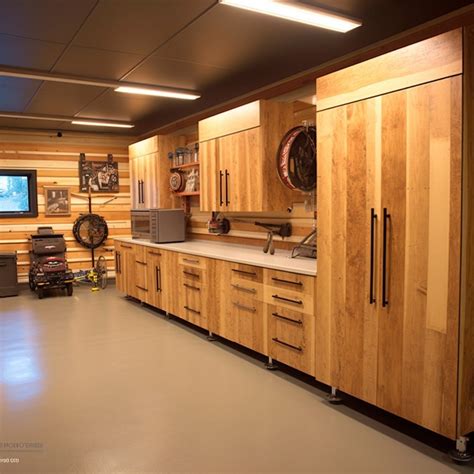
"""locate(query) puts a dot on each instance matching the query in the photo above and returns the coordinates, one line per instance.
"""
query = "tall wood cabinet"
(238, 158)
(150, 171)
(389, 233)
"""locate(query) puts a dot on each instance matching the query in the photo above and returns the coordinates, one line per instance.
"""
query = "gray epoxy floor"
(105, 385)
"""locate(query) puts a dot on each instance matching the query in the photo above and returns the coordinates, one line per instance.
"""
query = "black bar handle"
(373, 221)
(290, 282)
(143, 192)
(386, 218)
(283, 343)
(191, 287)
(158, 254)
(243, 288)
(158, 278)
(141, 288)
(126, 246)
(221, 175)
(140, 262)
(227, 201)
(279, 316)
(287, 299)
(244, 272)
(192, 310)
(245, 308)
(191, 274)
(139, 192)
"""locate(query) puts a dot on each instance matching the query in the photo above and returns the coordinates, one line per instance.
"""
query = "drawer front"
(246, 273)
(193, 309)
(302, 284)
(241, 288)
(192, 261)
(289, 299)
(291, 338)
(157, 254)
(246, 323)
(125, 246)
(192, 275)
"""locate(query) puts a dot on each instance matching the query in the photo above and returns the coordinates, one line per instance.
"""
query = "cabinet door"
(156, 274)
(348, 188)
(421, 193)
(211, 182)
(135, 183)
(240, 163)
(150, 191)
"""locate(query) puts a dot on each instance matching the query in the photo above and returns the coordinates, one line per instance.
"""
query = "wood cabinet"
(150, 171)
(125, 267)
(290, 318)
(157, 278)
(238, 158)
(241, 316)
(389, 229)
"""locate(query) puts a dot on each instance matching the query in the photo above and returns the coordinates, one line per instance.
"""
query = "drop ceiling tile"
(181, 74)
(54, 98)
(23, 52)
(15, 93)
(123, 107)
(96, 62)
(137, 26)
(48, 20)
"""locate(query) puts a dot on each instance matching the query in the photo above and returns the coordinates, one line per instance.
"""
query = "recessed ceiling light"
(157, 92)
(101, 124)
(297, 12)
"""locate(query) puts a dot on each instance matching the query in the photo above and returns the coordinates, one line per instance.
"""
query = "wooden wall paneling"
(56, 161)
(466, 352)
(428, 60)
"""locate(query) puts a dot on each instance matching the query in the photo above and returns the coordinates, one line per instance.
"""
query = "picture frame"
(57, 201)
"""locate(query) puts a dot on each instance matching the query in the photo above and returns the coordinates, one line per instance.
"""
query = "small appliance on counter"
(159, 225)
(218, 224)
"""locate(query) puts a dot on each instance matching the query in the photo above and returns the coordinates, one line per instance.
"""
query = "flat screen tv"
(18, 193)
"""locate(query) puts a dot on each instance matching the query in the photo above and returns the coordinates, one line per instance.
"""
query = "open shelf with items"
(187, 165)
(189, 193)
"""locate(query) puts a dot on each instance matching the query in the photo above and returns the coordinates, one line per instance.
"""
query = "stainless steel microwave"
(158, 225)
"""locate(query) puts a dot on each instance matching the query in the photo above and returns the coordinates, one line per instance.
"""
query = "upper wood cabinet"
(150, 171)
(389, 236)
(238, 158)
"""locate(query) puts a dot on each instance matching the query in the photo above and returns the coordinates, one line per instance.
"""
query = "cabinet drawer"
(240, 288)
(294, 282)
(248, 273)
(192, 261)
(192, 275)
(154, 253)
(245, 324)
(290, 338)
(125, 246)
(193, 309)
(289, 299)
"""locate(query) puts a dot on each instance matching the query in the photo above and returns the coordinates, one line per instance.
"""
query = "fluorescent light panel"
(157, 92)
(297, 12)
(101, 124)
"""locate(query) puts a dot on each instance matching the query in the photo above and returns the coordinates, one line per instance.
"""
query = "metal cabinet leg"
(333, 398)
(461, 455)
(211, 337)
(270, 365)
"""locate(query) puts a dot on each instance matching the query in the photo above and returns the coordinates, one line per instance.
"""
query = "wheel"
(101, 272)
(31, 282)
(69, 289)
(40, 292)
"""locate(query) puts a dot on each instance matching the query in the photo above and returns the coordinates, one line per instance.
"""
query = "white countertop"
(245, 254)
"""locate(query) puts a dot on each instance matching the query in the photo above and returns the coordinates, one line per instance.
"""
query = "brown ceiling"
(196, 44)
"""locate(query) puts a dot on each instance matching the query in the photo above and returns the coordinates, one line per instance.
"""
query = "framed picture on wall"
(57, 200)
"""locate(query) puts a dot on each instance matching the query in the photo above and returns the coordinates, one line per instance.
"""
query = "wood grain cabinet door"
(389, 221)
(211, 182)
(346, 317)
(420, 282)
(240, 171)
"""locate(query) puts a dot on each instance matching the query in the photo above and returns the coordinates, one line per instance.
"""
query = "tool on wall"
(218, 224)
(283, 230)
(307, 247)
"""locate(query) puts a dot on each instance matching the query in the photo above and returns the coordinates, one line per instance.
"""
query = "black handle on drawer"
(243, 288)
(191, 287)
(246, 308)
(190, 260)
(283, 343)
(126, 246)
(141, 263)
(281, 280)
(195, 275)
(244, 272)
(285, 318)
(192, 310)
(158, 254)
(141, 288)
(289, 300)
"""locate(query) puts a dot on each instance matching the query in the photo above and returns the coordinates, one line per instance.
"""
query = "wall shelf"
(187, 165)
(184, 193)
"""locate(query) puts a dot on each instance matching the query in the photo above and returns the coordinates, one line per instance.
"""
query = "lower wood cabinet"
(268, 311)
